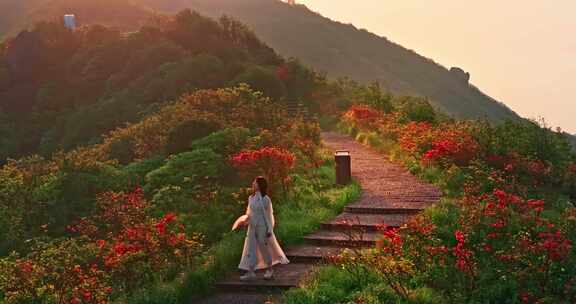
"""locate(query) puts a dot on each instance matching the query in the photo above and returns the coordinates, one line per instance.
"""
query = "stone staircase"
(391, 195)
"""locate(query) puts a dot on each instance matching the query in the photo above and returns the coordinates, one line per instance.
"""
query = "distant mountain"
(295, 31)
(60, 89)
(343, 50)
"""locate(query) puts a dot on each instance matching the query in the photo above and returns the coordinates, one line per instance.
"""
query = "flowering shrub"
(132, 244)
(491, 235)
(305, 138)
(117, 249)
(501, 240)
(273, 162)
(362, 116)
(452, 144)
(57, 272)
(416, 137)
(152, 135)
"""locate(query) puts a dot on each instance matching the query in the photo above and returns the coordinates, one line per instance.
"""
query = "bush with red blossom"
(117, 249)
(273, 162)
(416, 137)
(362, 116)
(510, 231)
(461, 250)
(453, 144)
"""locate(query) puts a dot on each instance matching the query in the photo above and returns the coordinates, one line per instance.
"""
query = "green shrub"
(328, 122)
(180, 138)
(190, 170)
(137, 171)
(156, 294)
(416, 109)
(327, 285)
(122, 151)
(262, 79)
(376, 294)
(224, 142)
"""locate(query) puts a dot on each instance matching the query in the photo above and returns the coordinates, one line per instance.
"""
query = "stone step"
(242, 298)
(366, 221)
(411, 198)
(400, 195)
(372, 209)
(343, 238)
(311, 253)
(285, 277)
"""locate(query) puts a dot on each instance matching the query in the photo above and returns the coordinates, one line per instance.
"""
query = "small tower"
(291, 2)
(70, 22)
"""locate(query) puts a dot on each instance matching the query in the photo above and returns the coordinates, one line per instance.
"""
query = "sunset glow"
(519, 52)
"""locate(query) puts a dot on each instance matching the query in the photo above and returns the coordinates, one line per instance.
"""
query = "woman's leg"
(251, 253)
(264, 248)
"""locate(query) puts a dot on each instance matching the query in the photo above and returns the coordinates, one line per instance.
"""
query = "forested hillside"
(343, 50)
(294, 31)
(60, 88)
(17, 15)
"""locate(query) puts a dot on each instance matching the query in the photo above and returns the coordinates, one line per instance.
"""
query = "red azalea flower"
(170, 217)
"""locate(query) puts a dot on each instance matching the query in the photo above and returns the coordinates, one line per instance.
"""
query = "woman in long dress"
(261, 249)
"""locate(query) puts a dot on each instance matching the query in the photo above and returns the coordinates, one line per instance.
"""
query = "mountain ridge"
(344, 50)
(338, 49)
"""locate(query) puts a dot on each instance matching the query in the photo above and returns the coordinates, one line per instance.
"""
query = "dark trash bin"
(343, 167)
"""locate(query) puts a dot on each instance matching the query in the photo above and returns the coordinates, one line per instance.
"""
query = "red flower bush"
(119, 248)
(452, 144)
(362, 116)
(416, 137)
(58, 272)
(493, 234)
(462, 254)
(127, 237)
(498, 226)
(272, 162)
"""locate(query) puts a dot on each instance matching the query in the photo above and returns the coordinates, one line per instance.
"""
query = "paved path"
(390, 195)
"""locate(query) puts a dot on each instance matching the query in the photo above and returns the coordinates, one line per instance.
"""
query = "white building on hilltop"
(70, 22)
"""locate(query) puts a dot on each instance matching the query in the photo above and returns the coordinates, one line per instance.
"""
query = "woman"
(261, 250)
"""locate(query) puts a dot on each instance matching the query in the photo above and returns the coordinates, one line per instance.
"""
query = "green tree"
(181, 137)
(416, 109)
(262, 79)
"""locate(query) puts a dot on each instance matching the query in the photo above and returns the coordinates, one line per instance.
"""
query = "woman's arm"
(248, 212)
(271, 213)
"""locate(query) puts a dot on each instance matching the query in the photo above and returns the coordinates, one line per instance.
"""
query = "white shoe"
(248, 276)
(269, 274)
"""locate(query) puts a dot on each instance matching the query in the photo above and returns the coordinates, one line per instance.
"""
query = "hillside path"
(390, 195)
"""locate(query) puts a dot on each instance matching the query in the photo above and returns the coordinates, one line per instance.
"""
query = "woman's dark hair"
(262, 185)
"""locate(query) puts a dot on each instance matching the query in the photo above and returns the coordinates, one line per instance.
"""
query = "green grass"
(328, 122)
(332, 285)
(313, 199)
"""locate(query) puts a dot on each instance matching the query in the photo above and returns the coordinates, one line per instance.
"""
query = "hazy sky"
(521, 52)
